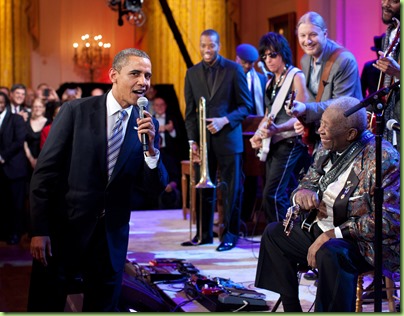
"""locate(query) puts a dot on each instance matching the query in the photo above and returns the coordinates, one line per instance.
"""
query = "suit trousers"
(93, 276)
(339, 263)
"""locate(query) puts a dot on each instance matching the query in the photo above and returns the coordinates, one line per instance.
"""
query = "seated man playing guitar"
(340, 192)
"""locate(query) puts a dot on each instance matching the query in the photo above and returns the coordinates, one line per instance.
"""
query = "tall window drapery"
(192, 17)
(18, 35)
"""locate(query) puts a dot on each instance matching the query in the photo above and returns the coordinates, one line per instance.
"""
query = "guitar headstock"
(292, 97)
(289, 220)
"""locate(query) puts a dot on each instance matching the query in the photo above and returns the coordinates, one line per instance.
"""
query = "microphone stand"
(378, 108)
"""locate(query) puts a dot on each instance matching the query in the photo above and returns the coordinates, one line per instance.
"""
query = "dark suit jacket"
(12, 136)
(230, 97)
(70, 186)
(343, 80)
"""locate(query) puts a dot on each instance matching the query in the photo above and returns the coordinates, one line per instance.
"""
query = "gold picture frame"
(285, 24)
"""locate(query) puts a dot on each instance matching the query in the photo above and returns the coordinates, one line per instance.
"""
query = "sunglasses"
(271, 54)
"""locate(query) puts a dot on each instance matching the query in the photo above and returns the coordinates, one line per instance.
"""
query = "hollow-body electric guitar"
(292, 215)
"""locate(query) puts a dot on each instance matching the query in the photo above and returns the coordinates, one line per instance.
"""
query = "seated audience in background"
(71, 94)
(339, 190)
(17, 98)
(49, 97)
(169, 150)
(35, 124)
(13, 172)
(97, 91)
(46, 129)
(5, 90)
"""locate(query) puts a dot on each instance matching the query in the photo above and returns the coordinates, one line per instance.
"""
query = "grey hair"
(357, 120)
(121, 59)
(314, 18)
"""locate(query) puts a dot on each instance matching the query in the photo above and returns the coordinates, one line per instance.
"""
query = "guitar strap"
(326, 72)
(343, 162)
(283, 92)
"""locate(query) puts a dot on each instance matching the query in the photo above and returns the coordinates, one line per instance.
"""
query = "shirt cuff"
(338, 232)
(152, 161)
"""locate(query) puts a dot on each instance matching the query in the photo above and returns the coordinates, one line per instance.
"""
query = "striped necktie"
(115, 141)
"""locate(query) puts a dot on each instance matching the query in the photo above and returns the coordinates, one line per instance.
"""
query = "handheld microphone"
(142, 103)
(393, 125)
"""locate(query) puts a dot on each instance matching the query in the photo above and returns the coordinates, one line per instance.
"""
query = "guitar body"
(292, 216)
(266, 142)
(264, 150)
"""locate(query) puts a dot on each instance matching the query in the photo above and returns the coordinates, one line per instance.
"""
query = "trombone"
(204, 182)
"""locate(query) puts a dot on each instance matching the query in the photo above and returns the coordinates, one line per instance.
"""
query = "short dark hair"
(277, 43)
(121, 59)
(211, 32)
(17, 86)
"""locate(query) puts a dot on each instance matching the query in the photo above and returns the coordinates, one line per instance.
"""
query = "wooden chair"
(390, 288)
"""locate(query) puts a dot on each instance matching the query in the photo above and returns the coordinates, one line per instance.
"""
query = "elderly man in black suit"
(223, 84)
(92, 171)
(13, 171)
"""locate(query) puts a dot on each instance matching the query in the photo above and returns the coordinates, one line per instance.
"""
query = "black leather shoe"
(195, 242)
(311, 276)
(224, 246)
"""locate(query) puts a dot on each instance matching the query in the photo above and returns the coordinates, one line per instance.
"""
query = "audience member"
(17, 99)
(246, 56)
(49, 97)
(45, 131)
(35, 125)
(341, 192)
(5, 90)
(71, 94)
(97, 91)
(280, 146)
(224, 86)
(81, 200)
(13, 172)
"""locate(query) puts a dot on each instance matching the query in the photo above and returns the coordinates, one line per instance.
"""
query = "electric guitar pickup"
(292, 216)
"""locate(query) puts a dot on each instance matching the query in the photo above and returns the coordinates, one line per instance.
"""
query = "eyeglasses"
(271, 54)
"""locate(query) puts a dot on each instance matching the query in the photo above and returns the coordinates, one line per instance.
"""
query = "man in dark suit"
(228, 101)
(82, 194)
(13, 171)
(246, 56)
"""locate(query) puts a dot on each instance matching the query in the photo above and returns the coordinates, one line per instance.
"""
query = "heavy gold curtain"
(192, 17)
(18, 22)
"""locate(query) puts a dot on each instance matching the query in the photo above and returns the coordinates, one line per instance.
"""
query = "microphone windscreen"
(390, 124)
(142, 102)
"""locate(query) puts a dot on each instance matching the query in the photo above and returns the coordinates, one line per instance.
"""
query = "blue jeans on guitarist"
(280, 176)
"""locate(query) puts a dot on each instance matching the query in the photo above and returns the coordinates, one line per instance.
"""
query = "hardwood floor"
(155, 234)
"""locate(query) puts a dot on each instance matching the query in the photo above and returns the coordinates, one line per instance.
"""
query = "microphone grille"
(142, 102)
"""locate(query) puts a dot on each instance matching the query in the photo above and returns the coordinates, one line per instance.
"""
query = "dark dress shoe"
(224, 246)
(13, 240)
(195, 242)
(311, 276)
